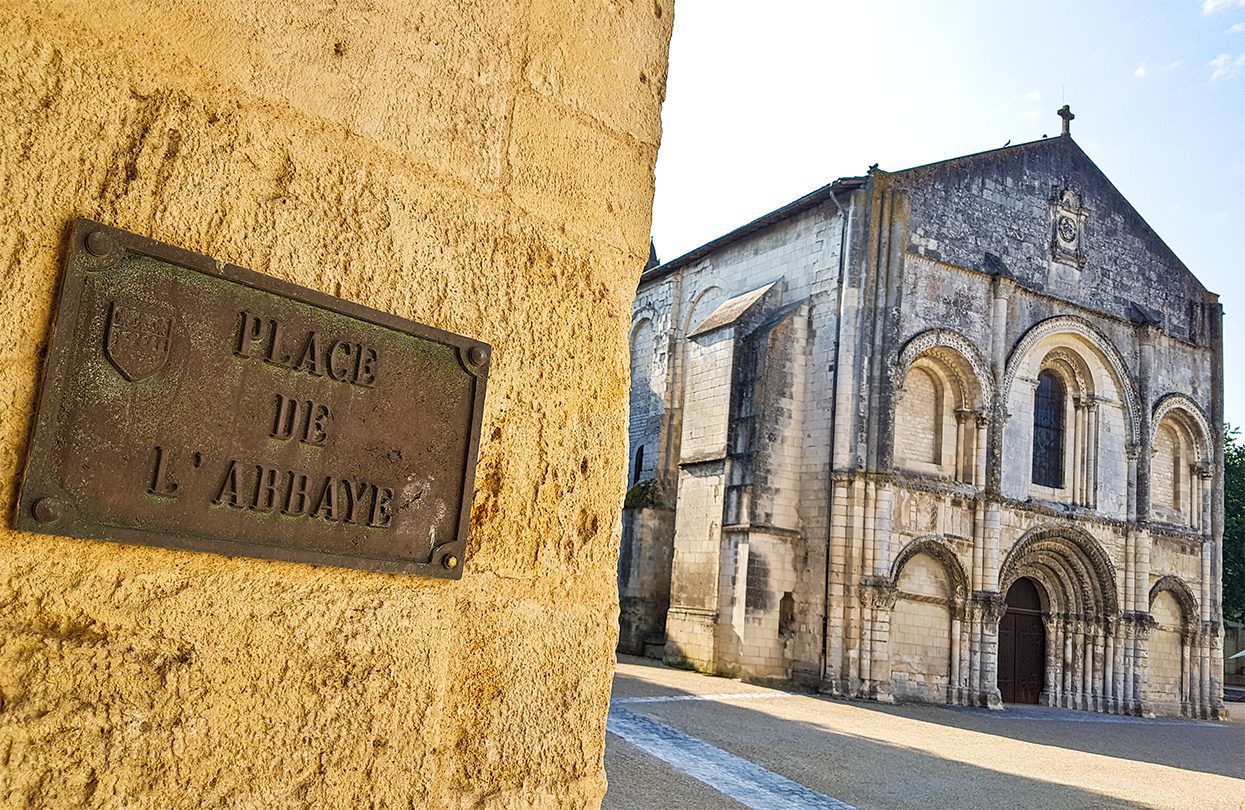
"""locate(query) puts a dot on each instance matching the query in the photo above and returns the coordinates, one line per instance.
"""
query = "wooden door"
(1022, 645)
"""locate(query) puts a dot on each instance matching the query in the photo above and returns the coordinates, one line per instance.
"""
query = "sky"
(768, 101)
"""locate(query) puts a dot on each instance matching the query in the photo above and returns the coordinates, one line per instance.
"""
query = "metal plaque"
(191, 404)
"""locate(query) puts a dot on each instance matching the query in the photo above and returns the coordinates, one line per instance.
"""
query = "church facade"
(946, 434)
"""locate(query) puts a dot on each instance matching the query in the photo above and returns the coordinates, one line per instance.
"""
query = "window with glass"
(1048, 430)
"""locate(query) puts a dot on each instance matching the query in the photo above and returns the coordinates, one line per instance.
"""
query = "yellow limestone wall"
(484, 167)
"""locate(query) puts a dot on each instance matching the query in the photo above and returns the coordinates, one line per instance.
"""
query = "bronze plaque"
(192, 404)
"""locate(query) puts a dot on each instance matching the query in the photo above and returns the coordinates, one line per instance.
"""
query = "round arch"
(1194, 418)
(1174, 585)
(957, 353)
(694, 304)
(1085, 574)
(639, 318)
(938, 548)
(1091, 335)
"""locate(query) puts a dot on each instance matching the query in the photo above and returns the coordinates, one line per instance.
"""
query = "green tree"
(1233, 525)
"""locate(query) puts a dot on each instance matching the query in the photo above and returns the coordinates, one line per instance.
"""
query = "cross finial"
(1065, 112)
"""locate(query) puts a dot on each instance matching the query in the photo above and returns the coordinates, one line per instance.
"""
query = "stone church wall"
(800, 254)
(918, 432)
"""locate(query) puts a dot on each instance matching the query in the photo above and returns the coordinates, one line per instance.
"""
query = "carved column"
(964, 614)
(1078, 437)
(1215, 642)
(1128, 658)
(1200, 508)
(1091, 464)
(1054, 648)
(1110, 697)
(1208, 630)
(953, 685)
(974, 652)
(877, 596)
(992, 608)
(963, 445)
(1132, 451)
(981, 444)
(1099, 669)
(1145, 625)
(1188, 685)
(1079, 660)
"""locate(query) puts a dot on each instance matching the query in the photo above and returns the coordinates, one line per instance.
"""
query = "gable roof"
(1080, 156)
(845, 185)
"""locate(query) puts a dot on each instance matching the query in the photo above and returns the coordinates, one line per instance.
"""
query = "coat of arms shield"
(137, 341)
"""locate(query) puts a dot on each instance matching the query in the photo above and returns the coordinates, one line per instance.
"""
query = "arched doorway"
(1022, 644)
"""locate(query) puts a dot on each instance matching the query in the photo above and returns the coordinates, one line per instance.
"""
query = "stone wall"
(920, 632)
(1165, 671)
(485, 168)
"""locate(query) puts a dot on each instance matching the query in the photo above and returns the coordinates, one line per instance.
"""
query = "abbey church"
(947, 434)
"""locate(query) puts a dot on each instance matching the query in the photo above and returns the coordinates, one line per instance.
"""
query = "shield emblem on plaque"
(137, 341)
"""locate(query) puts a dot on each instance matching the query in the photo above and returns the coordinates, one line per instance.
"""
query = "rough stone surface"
(484, 168)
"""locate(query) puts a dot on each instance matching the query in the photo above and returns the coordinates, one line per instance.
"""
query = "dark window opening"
(1048, 420)
(786, 615)
(639, 466)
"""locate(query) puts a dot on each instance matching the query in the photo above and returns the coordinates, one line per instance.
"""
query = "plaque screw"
(45, 510)
(449, 561)
(99, 243)
(477, 356)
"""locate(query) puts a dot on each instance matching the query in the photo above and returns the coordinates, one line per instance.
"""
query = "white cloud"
(1238, 28)
(1211, 6)
(1140, 72)
(1225, 67)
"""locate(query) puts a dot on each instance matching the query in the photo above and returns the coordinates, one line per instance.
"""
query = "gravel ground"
(764, 746)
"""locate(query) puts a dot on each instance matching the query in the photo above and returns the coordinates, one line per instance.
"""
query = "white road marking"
(742, 780)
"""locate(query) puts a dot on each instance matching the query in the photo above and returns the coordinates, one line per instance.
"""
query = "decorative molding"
(1067, 238)
(937, 547)
(1180, 592)
(878, 593)
(1074, 325)
(1082, 563)
(932, 340)
(1074, 365)
(1182, 402)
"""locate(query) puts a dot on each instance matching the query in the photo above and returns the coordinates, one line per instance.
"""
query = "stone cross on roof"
(1065, 112)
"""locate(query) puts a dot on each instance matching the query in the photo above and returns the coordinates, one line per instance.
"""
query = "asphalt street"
(679, 739)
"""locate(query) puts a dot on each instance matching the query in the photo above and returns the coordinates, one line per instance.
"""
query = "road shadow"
(1206, 746)
(860, 771)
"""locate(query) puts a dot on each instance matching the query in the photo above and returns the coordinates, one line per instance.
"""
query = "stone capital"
(991, 605)
(878, 592)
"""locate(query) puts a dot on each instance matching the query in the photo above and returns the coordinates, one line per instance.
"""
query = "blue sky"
(767, 101)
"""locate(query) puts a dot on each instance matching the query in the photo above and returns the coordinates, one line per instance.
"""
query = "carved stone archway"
(1085, 652)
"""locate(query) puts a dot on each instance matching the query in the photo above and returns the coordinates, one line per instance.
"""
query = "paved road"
(682, 740)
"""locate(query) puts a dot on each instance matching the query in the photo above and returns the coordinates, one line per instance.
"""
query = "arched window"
(639, 466)
(1048, 419)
